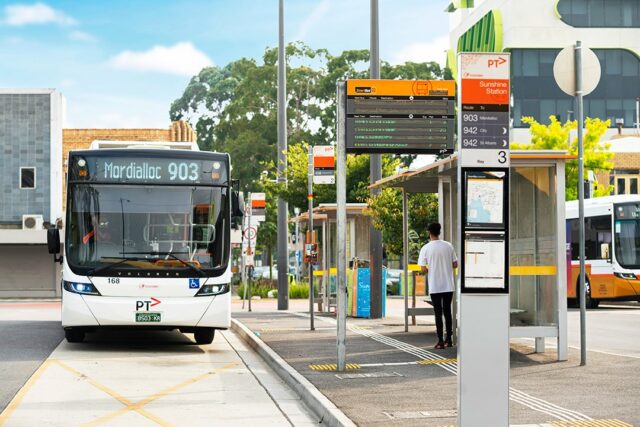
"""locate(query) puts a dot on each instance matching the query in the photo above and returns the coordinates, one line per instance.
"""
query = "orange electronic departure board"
(400, 116)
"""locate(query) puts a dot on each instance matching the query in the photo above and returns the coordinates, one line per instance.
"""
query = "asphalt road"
(611, 329)
(29, 332)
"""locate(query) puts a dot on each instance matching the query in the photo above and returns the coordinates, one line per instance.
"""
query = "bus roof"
(156, 145)
(599, 205)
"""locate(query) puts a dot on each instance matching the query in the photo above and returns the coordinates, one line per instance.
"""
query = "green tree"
(234, 108)
(386, 212)
(555, 136)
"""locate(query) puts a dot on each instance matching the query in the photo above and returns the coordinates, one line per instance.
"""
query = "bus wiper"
(172, 255)
(121, 260)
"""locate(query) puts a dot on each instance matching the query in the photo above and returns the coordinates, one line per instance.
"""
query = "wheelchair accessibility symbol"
(194, 283)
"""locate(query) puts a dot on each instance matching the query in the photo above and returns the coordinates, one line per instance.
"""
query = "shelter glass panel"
(533, 246)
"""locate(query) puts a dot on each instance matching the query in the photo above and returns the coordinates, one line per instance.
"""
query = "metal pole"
(297, 213)
(325, 274)
(244, 254)
(310, 197)
(249, 269)
(638, 115)
(341, 232)
(581, 290)
(375, 171)
(283, 230)
(405, 261)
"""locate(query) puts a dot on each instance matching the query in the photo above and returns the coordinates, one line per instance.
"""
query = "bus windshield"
(150, 230)
(627, 240)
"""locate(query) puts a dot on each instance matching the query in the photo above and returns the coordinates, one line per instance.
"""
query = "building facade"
(534, 32)
(31, 189)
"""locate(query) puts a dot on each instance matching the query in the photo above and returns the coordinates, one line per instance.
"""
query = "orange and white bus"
(612, 249)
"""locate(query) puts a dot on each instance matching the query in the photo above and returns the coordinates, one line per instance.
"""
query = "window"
(535, 92)
(28, 178)
(600, 13)
(597, 230)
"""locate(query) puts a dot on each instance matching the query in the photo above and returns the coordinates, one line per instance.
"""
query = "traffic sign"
(400, 116)
(564, 71)
(250, 233)
(258, 206)
(324, 164)
(484, 110)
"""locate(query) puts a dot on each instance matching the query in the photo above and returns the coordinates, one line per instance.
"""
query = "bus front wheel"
(74, 335)
(204, 335)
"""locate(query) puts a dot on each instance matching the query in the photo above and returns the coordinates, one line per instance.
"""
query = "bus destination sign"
(147, 170)
(400, 116)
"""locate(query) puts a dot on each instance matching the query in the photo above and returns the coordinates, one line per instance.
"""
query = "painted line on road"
(17, 399)
(333, 367)
(515, 395)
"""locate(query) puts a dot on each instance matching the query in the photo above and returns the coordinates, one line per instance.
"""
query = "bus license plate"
(147, 317)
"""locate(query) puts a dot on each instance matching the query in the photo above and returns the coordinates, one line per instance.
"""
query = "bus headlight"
(209, 290)
(628, 276)
(81, 288)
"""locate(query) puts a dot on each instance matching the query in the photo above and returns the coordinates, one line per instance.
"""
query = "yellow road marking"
(17, 399)
(126, 402)
(431, 362)
(138, 405)
(591, 423)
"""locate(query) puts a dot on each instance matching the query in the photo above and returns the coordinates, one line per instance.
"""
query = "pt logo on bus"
(146, 304)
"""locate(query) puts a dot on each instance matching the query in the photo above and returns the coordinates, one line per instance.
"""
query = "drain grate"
(368, 375)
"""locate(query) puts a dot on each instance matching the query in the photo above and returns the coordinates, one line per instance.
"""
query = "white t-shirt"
(439, 257)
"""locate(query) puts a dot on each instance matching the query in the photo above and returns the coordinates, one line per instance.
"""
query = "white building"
(535, 31)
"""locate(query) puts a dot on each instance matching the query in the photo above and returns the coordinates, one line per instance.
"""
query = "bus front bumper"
(174, 312)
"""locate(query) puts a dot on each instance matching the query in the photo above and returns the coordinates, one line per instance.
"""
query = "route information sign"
(324, 164)
(484, 109)
(258, 206)
(400, 116)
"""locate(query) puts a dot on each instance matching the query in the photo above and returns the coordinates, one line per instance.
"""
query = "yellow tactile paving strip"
(333, 367)
(591, 423)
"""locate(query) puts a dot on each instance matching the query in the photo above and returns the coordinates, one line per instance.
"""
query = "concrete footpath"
(398, 378)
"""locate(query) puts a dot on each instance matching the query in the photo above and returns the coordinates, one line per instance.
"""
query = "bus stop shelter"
(537, 242)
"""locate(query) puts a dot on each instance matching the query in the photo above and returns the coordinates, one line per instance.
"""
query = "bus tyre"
(74, 335)
(589, 302)
(204, 335)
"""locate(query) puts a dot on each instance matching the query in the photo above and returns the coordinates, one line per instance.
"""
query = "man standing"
(440, 259)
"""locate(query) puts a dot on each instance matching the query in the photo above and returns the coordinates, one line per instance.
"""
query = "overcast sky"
(120, 63)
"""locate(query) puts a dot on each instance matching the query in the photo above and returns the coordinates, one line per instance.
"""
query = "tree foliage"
(234, 108)
(386, 211)
(555, 136)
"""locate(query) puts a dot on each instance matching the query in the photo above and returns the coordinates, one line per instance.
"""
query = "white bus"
(612, 249)
(147, 239)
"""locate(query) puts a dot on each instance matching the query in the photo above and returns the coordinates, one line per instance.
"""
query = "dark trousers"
(442, 306)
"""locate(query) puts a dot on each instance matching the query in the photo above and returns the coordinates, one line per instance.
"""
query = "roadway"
(133, 378)
(613, 328)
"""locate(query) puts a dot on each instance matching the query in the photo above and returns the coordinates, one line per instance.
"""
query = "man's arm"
(424, 268)
(455, 264)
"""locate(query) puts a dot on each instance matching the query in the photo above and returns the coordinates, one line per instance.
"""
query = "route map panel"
(400, 116)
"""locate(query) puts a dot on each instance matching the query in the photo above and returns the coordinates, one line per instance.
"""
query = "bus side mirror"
(53, 241)
(237, 204)
(605, 251)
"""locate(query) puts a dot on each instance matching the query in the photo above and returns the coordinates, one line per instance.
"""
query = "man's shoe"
(439, 345)
(448, 343)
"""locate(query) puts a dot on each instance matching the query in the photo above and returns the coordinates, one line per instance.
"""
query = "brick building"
(625, 175)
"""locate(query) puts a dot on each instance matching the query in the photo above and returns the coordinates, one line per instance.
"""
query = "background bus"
(147, 240)
(612, 248)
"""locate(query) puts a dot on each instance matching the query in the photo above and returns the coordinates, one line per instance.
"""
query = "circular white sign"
(250, 233)
(565, 74)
